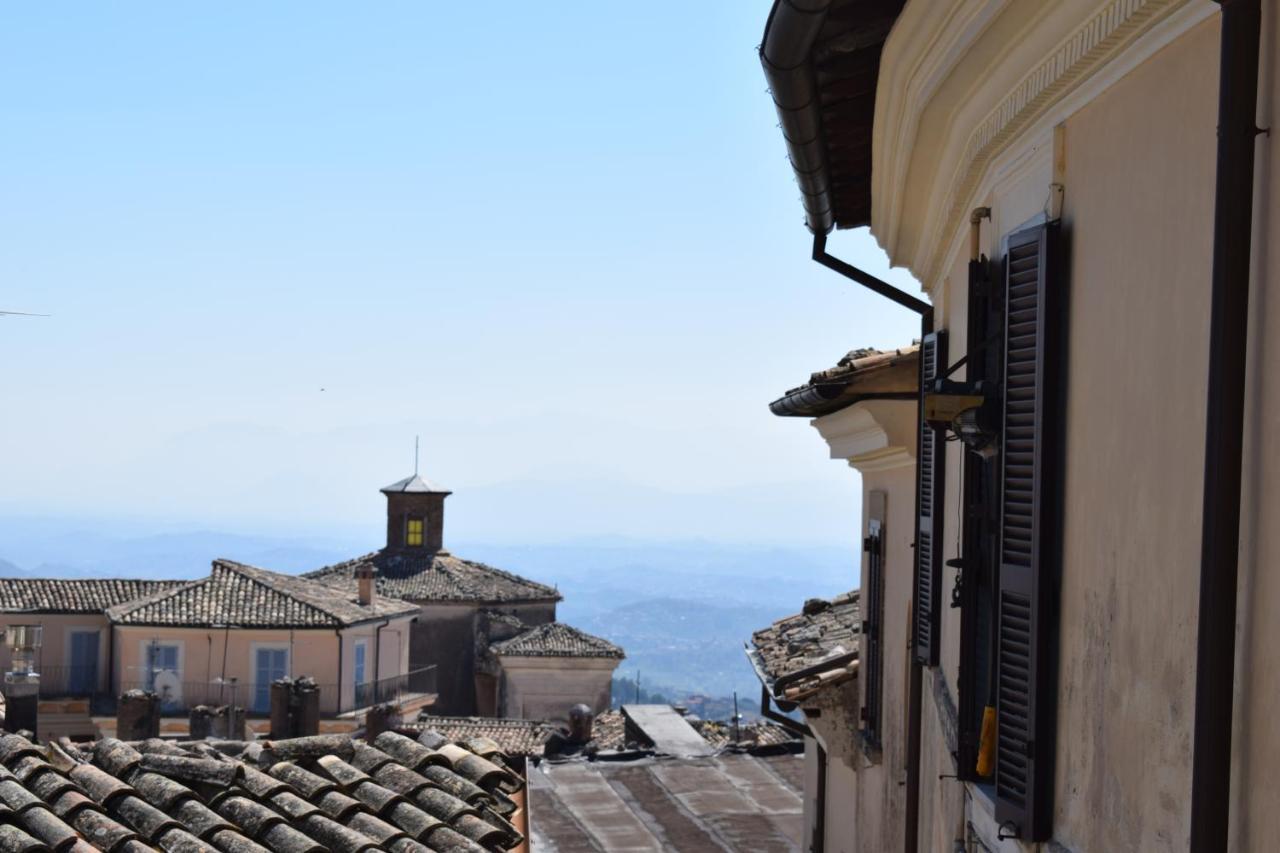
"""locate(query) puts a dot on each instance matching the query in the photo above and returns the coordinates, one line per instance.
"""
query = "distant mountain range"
(682, 609)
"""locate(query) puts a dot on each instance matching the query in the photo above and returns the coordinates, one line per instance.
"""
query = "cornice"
(874, 435)
(938, 186)
(1110, 29)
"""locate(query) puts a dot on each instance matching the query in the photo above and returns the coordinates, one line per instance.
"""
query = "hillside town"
(1055, 636)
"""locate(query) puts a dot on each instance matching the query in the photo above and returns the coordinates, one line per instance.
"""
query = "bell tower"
(415, 515)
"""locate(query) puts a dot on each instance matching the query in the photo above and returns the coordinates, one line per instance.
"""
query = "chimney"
(580, 720)
(22, 682)
(365, 588)
(415, 515)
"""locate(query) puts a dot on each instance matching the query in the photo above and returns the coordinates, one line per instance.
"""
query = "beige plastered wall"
(55, 650)
(1137, 162)
(877, 439)
(208, 654)
(544, 688)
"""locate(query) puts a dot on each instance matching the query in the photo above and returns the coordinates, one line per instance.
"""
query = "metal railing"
(333, 700)
(397, 688)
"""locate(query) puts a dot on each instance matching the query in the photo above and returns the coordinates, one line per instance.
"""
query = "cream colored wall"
(55, 651)
(205, 652)
(1138, 218)
(881, 800)
(840, 833)
(544, 688)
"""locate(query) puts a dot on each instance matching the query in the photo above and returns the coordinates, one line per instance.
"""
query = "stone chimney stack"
(365, 589)
(415, 515)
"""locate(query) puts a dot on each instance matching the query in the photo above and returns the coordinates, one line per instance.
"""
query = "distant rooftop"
(249, 597)
(434, 576)
(862, 374)
(75, 595)
(415, 484)
(556, 639)
(825, 631)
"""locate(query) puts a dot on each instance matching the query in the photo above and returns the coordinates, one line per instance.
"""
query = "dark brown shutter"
(871, 651)
(930, 491)
(1025, 622)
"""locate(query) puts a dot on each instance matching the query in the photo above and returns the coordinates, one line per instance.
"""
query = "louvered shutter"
(871, 652)
(1028, 544)
(930, 490)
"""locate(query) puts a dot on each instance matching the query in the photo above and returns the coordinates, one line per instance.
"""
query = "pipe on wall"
(1224, 426)
(915, 677)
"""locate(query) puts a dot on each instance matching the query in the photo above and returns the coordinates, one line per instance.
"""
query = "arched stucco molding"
(873, 435)
(962, 82)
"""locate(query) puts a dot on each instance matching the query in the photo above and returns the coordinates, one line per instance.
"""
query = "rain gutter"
(1224, 427)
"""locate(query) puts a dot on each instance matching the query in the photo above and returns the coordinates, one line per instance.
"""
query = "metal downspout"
(1224, 427)
(819, 844)
(915, 694)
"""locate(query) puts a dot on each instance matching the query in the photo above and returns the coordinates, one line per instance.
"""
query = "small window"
(414, 534)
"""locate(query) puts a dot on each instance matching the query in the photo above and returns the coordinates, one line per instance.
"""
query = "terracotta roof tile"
(824, 630)
(246, 596)
(435, 576)
(556, 639)
(277, 810)
(74, 595)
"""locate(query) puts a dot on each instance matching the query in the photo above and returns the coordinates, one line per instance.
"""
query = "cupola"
(415, 514)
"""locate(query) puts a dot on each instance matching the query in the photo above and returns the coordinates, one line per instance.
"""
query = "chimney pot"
(365, 589)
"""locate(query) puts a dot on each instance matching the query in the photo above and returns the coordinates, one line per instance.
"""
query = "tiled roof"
(415, 484)
(435, 576)
(302, 795)
(74, 595)
(725, 802)
(484, 735)
(861, 373)
(720, 735)
(556, 639)
(249, 597)
(824, 631)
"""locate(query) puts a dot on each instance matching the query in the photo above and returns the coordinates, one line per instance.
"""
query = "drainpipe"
(1224, 427)
(819, 844)
(916, 677)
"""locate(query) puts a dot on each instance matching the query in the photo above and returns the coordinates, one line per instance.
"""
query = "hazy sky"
(560, 241)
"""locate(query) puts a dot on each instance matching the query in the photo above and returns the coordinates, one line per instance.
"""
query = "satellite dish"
(168, 687)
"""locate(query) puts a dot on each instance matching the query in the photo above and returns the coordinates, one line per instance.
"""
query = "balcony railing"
(406, 687)
(399, 688)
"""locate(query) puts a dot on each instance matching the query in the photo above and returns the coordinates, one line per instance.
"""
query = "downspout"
(820, 812)
(915, 692)
(338, 633)
(1224, 427)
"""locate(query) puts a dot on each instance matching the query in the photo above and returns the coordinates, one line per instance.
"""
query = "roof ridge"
(127, 607)
(249, 572)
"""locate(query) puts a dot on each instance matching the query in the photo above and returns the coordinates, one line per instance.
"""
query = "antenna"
(415, 456)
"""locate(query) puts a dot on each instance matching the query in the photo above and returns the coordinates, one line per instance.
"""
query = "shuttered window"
(930, 491)
(1030, 480)
(871, 653)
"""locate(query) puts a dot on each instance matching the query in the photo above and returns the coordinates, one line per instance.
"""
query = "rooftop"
(74, 595)
(415, 485)
(726, 802)
(556, 639)
(483, 734)
(300, 795)
(862, 374)
(824, 632)
(249, 597)
(434, 576)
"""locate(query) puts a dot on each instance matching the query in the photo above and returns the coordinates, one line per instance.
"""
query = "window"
(82, 674)
(413, 535)
(358, 671)
(871, 653)
(269, 664)
(930, 491)
(1012, 529)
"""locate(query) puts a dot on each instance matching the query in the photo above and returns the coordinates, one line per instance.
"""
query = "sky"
(560, 242)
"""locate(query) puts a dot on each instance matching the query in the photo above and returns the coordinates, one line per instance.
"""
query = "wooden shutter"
(871, 652)
(930, 491)
(1026, 629)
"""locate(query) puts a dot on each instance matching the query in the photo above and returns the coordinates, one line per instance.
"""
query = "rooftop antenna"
(415, 456)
